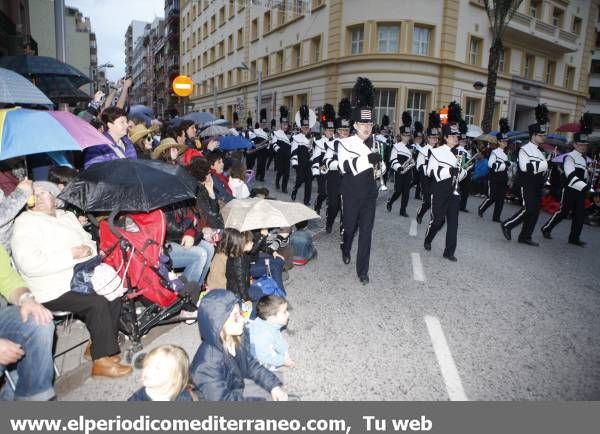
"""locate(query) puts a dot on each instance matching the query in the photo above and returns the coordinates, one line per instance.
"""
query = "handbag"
(95, 277)
(81, 282)
(265, 285)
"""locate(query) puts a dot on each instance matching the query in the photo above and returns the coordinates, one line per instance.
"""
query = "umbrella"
(557, 140)
(571, 127)
(255, 213)
(487, 138)
(16, 89)
(214, 131)
(129, 185)
(230, 143)
(36, 66)
(220, 122)
(474, 131)
(143, 112)
(60, 89)
(199, 118)
(26, 131)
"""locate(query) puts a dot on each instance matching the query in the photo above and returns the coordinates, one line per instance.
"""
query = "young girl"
(224, 358)
(237, 177)
(230, 268)
(165, 376)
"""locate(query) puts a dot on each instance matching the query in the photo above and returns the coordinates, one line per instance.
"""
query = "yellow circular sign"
(183, 85)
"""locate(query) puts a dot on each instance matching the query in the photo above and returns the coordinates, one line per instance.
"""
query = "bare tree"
(499, 13)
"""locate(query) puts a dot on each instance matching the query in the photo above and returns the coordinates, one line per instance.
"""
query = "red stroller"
(149, 301)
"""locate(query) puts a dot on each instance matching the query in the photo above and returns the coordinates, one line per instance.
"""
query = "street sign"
(444, 115)
(183, 85)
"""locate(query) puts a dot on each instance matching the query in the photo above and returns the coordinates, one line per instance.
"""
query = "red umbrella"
(572, 127)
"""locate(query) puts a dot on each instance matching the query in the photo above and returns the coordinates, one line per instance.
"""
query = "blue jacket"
(217, 375)
(102, 153)
(268, 345)
(220, 189)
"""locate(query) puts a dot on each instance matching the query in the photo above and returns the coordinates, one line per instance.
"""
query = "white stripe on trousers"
(489, 196)
(520, 214)
(557, 213)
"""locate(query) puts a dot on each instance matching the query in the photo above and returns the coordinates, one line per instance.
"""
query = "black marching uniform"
(261, 138)
(465, 184)
(283, 153)
(497, 183)
(443, 168)
(401, 161)
(532, 177)
(359, 196)
(573, 197)
(424, 181)
(301, 152)
(320, 146)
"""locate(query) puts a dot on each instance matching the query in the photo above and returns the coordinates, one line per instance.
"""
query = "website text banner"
(302, 417)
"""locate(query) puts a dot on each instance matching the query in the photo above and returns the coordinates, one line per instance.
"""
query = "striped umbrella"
(25, 132)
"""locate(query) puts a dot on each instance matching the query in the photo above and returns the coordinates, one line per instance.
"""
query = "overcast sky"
(109, 19)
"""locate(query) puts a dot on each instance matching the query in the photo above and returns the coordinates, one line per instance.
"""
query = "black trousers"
(101, 318)
(270, 158)
(304, 176)
(497, 186)
(402, 184)
(572, 201)
(334, 180)
(261, 163)
(465, 188)
(359, 197)
(416, 181)
(250, 159)
(321, 191)
(444, 209)
(426, 192)
(282, 161)
(531, 194)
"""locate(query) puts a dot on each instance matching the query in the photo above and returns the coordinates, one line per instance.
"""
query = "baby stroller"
(151, 298)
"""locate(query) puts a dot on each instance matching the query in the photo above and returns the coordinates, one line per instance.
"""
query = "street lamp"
(243, 66)
(478, 85)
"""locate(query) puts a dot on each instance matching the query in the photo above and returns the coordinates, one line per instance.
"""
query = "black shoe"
(427, 245)
(403, 214)
(364, 279)
(294, 192)
(346, 258)
(388, 205)
(578, 243)
(546, 234)
(464, 210)
(497, 220)
(450, 257)
(506, 232)
(479, 213)
(419, 219)
(277, 186)
(328, 229)
(529, 242)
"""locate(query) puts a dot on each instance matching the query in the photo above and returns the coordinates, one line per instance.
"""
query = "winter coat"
(102, 153)
(217, 276)
(237, 272)
(221, 187)
(218, 375)
(208, 210)
(9, 208)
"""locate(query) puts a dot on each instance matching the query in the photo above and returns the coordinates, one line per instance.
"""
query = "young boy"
(268, 345)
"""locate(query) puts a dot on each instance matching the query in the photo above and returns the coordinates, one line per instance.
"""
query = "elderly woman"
(46, 244)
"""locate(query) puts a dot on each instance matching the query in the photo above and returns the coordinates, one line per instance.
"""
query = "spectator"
(268, 345)
(118, 144)
(220, 181)
(26, 337)
(237, 178)
(207, 205)
(168, 150)
(593, 211)
(47, 243)
(143, 141)
(224, 358)
(9, 208)
(165, 376)
(302, 245)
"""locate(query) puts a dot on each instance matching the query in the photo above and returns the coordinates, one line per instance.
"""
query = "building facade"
(134, 31)
(15, 29)
(593, 104)
(419, 58)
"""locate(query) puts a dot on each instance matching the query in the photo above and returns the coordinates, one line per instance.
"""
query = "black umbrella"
(36, 66)
(129, 185)
(60, 89)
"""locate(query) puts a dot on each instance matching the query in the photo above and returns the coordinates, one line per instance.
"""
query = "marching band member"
(418, 139)
(283, 150)
(497, 184)
(262, 149)
(327, 123)
(574, 192)
(334, 177)
(359, 189)
(433, 135)
(401, 161)
(444, 169)
(250, 152)
(301, 150)
(464, 155)
(532, 176)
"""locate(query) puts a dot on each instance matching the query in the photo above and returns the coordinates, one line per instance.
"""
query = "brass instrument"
(460, 162)
(470, 162)
(407, 165)
(592, 170)
(549, 171)
(379, 170)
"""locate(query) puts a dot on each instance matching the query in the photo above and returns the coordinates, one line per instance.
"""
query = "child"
(165, 376)
(268, 345)
(237, 177)
(302, 244)
(224, 358)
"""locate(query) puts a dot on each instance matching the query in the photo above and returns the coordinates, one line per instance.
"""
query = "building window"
(421, 41)
(254, 29)
(595, 66)
(315, 49)
(504, 61)
(385, 104)
(230, 44)
(472, 111)
(267, 22)
(550, 72)
(357, 36)
(576, 25)
(388, 36)
(240, 38)
(296, 56)
(253, 70)
(569, 77)
(417, 105)
(213, 24)
(229, 79)
(475, 45)
(279, 61)
(280, 13)
(221, 16)
(265, 66)
(535, 8)
(557, 17)
(205, 30)
(528, 66)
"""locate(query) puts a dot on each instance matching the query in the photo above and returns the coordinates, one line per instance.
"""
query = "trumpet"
(466, 166)
(549, 171)
(592, 176)
(407, 165)
(380, 169)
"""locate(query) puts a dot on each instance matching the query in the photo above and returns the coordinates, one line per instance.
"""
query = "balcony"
(535, 33)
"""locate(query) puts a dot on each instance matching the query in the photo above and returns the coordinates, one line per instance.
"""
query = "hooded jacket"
(218, 375)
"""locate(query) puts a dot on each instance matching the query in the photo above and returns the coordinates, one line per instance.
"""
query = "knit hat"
(51, 188)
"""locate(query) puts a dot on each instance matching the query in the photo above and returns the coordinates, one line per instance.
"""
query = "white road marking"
(417, 266)
(445, 360)
(413, 228)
